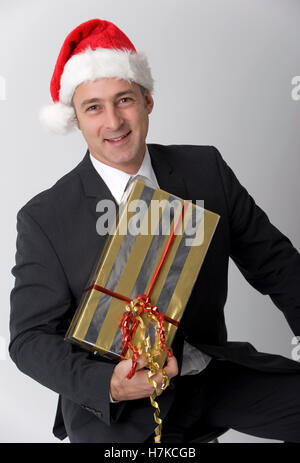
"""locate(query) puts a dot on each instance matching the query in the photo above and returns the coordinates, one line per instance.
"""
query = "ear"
(76, 118)
(149, 102)
(77, 125)
(75, 112)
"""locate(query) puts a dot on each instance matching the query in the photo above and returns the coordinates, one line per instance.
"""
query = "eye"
(93, 108)
(125, 99)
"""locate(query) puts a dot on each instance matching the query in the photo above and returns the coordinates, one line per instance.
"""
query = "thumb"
(141, 362)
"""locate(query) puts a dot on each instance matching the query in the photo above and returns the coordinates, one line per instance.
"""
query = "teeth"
(118, 139)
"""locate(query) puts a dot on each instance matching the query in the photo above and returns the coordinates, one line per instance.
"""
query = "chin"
(126, 157)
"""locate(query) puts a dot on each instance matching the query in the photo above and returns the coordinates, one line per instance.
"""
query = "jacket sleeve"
(40, 301)
(264, 255)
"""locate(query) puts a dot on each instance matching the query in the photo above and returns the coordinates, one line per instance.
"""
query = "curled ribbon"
(141, 308)
(135, 311)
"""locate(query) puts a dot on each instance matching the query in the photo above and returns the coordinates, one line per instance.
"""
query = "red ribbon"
(129, 323)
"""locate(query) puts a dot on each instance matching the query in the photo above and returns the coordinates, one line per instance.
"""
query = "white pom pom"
(58, 117)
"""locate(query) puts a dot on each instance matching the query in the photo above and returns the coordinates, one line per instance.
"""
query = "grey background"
(223, 72)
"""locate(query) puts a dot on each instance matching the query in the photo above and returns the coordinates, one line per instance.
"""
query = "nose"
(113, 119)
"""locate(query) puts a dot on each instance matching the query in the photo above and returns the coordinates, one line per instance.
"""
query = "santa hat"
(93, 50)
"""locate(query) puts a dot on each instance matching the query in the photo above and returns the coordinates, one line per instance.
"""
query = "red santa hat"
(95, 49)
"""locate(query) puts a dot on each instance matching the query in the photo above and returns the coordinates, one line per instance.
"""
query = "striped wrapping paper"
(128, 263)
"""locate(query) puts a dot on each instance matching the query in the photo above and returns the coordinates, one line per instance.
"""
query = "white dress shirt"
(193, 360)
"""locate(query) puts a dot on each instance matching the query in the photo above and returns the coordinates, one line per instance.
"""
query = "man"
(102, 85)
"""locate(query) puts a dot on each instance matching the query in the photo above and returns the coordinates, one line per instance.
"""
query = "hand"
(138, 387)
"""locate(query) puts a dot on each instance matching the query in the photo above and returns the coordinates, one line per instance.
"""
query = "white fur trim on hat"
(103, 62)
(58, 117)
(91, 65)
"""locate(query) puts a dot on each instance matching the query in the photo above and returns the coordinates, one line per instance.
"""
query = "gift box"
(151, 260)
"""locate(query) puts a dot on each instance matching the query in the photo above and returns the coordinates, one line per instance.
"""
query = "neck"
(131, 168)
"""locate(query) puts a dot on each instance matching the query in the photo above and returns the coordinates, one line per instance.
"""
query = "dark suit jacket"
(57, 246)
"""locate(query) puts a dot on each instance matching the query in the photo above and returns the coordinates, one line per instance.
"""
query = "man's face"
(108, 109)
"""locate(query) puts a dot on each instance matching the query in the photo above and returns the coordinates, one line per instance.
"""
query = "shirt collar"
(116, 180)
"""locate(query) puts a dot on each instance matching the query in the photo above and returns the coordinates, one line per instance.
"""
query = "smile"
(115, 140)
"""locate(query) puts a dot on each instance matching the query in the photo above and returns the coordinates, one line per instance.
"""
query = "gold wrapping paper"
(128, 263)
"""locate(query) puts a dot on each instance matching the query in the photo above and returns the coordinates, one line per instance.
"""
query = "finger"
(157, 380)
(172, 367)
(167, 357)
(141, 362)
(172, 360)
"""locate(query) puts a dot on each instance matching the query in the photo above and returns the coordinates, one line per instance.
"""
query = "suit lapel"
(93, 184)
(168, 177)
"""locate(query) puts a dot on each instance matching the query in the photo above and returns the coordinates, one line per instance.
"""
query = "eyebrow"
(98, 100)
